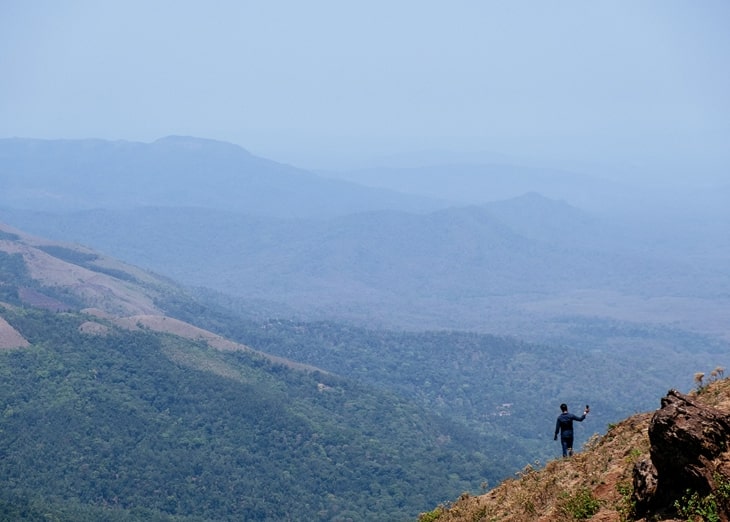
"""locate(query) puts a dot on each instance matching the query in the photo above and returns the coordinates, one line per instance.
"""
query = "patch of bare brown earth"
(93, 328)
(162, 323)
(95, 288)
(10, 338)
(127, 302)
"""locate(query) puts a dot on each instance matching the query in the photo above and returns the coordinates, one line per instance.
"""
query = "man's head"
(563, 407)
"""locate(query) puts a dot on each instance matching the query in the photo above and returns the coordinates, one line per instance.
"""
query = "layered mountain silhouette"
(286, 246)
(211, 214)
(174, 171)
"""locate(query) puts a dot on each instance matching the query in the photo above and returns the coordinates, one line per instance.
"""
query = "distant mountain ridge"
(189, 171)
(530, 266)
(477, 183)
(529, 246)
(174, 171)
(470, 184)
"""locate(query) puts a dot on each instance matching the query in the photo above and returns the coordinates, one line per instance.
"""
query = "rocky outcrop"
(689, 450)
(645, 485)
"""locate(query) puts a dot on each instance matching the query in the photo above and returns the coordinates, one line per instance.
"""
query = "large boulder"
(688, 441)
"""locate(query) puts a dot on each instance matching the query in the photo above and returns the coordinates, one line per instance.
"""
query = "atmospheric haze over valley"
(481, 209)
(210, 214)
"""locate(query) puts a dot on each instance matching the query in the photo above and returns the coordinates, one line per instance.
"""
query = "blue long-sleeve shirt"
(564, 424)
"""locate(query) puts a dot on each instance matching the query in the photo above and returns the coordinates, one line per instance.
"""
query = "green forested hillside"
(505, 389)
(142, 426)
(115, 424)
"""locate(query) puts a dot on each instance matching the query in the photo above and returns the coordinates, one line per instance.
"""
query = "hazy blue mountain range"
(488, 268)
(188, 171)
(174, 171)
(530, 266)
(478, 250)
(479, 183)
(475, 183)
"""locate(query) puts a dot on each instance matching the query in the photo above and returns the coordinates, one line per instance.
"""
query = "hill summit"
(670, 465)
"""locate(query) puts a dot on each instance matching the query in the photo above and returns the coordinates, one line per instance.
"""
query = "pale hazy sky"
(322, 83)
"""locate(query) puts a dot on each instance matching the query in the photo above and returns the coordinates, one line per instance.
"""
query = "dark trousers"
(567, 443)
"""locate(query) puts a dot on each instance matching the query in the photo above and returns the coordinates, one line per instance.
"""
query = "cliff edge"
(670, 465)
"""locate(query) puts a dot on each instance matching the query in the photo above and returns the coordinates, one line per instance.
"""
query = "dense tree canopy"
(134, 421)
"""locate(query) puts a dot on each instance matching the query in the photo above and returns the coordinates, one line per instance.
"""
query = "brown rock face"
(687, 440)
(645, 484)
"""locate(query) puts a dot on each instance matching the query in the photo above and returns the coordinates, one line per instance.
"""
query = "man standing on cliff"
(564, 426)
